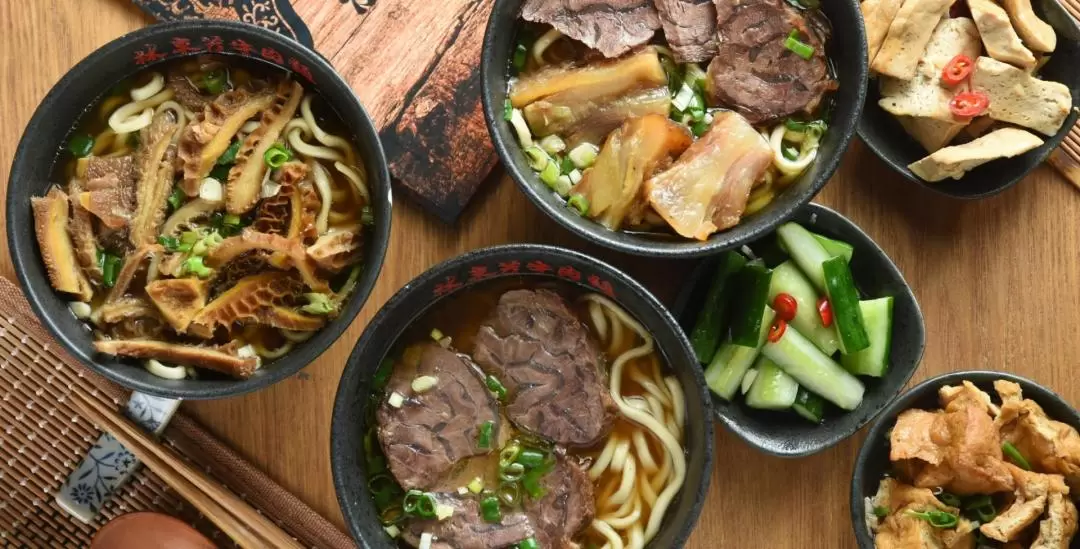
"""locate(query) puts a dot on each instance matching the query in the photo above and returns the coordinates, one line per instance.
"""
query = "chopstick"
(246, 526)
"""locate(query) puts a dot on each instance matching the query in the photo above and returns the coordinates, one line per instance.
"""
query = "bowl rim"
(1031, 388)
(1050, 143)
(24, 250)
(352, 375)
(681, 248)
(680, 309)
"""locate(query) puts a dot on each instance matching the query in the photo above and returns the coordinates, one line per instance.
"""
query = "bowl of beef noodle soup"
(673, 127)
(198, 221)
(522, 396)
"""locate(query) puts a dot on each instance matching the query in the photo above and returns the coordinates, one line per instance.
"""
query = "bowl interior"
(884, 135)
(91, 79)
(847, 50)
(786, 434)
(531, 264)
(873, 461)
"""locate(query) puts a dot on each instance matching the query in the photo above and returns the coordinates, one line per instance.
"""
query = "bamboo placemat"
(43, 437)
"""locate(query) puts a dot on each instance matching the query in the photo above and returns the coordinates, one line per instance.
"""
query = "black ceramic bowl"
(883, 134)
(529, 263)
(82, 86)
(786, 434)
(846, 49)
(873, 461)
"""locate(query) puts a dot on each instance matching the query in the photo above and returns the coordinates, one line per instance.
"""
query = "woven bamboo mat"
(43, 437)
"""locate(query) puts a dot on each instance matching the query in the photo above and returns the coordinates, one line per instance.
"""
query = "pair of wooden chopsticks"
(1066, 159)
(246, 526)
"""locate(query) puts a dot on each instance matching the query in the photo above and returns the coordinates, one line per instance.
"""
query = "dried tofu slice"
(908, 35)
(878, 15)
(1038, 35)
(1019, 98)
(1001, 41)
(955, 161)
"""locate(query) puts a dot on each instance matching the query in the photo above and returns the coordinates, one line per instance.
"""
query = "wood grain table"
(998, 281)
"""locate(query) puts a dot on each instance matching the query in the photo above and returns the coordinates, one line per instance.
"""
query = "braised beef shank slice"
(613, 27)
(754, 73)
(433, 430)
(550, 365)
(690, 28)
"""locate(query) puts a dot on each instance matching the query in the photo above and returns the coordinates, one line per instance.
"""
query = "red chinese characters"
(301, 69)
(148, 55)
(272, 55)
(241, 47)
(510, 267)
(537, 266)
(602, 285)
(213, 44)
(479, 272)
(182, 46)
(448, 285)
(569, 273)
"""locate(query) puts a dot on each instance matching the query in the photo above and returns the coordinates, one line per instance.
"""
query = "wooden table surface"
(998, 281)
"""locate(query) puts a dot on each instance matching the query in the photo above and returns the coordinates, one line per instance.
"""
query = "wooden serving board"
(415, 65)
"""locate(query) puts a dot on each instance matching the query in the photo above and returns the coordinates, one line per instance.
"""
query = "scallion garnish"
(531, 458)
(1015, 455)
(496, 387)
(699, 128)
(936, 518)
(194, 265)
(382, 375)
(580, 203)
(110, 267)
(176, 198)
(490, 510)
(521, 54)
(420, 504)
(881, 511)
(214, 81)
(229, 156)
(529, 543)
(800, 48)
(80, 145)
(508, 110)
(509, 454)
(277, 155)
(483, 439)
(512, 472)
(170, 243)
(952, 500)
(509, 493)
(531, 483)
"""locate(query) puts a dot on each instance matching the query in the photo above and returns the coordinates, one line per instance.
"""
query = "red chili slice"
(824, 309)
(969, 104)
(776, 331)
(957, 70)
(785, 306)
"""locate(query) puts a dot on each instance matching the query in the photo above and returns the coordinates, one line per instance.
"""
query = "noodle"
(357, 180)
(322, 184)
(322, 136)
(137, 115)
(542, 44)
(660, 412)
(296, 337)
(155, 85)
(272, 353)
(296, 130)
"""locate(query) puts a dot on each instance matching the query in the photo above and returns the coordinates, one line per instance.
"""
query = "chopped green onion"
(974, 502)
(277, 155)
(531, 458)
(699, 128)
(937, 519)
(529, 543)
(177, 198)
(190, 237)
(697, 104)
(512, 472)
(563, 185)
(496, 386)
(420, 504)
(566, 165)
(382, 374)
(524, 134)
(881, 511)
(221, 173)
(170, 243)
(521, 54)
(538, 159)
(800, 48)
(583, 155)
(509, 493)
(194, 265)
(579, 203)
(366, 216)
(110, 267)
(683, 98)
(229, 156)
(490, 510)
(200, 248)
(789, 152)
(318, 304)
(508, 110)
(483, 439)
(1015, 456)
(509, 454)
(80, 145)
(214, 81)
(531, 483)
(436, 334)
(231, 219)
(795, 125)
(673, 72)
(552, 144)
(696, 77)
(550, 174)
(952, 500)
(985, 513)
(476, 485)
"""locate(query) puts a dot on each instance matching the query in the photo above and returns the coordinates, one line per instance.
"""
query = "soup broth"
(212, 217)
(629, 473)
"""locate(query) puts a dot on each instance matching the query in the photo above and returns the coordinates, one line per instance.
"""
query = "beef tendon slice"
(690, 28)
(551, 367)
(754, 73)
(466, 528)
(706, 189)
(566, 507)
(58, 253)
(611, 27)
(437, 416)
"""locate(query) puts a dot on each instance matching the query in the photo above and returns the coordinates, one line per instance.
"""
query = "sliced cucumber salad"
(795, 333)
